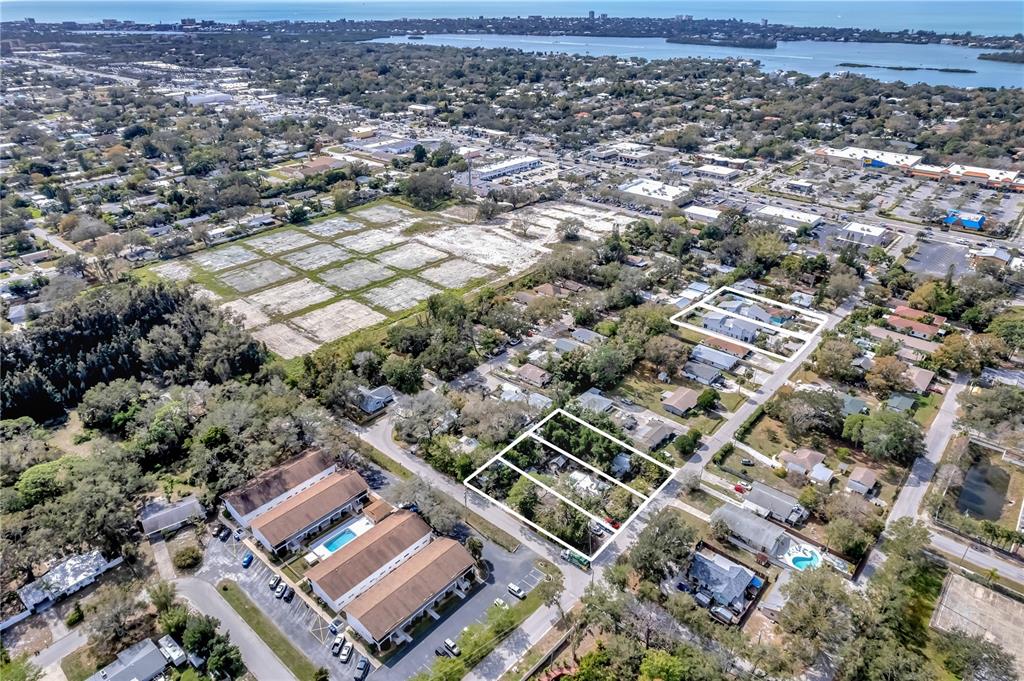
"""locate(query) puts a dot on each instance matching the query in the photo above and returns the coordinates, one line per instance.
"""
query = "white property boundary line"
(529, 432)
(702, 303)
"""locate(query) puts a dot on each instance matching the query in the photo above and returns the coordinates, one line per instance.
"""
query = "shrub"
(75, 616)
(188, 558)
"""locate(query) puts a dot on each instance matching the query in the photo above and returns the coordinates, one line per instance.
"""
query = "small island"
(1012, 57)
(855, 65)
(742, 42)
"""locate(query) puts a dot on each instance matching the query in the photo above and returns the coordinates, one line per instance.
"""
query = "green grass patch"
(384, 461)
(927, 407)
(732, 401)
(492, 531)
(292, 658)
(80, 664)
(769, 437)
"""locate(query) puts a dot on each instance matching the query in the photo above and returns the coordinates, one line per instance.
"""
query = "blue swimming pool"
(336, 542)
(809, 559)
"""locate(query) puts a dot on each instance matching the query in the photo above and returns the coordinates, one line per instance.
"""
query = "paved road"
(908, 502)
(61, 648)
(259, 659)
(51, 239)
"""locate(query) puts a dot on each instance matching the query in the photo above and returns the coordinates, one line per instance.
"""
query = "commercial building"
(422, 109)
(858, 157)
(381, 614)
(277, 484)
(631, 153)
(990, 177)
(718, 173)
(310, 511)
(509, 166)
(862, 235)
(701, 214)
(713, 159)
(368, 558)
(788, 217)
(802, 186)
(652, 192)
(972, 221)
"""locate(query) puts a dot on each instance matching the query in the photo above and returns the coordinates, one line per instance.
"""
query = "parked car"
(222, 532)
(361, 668)
(281, 588)
(500, 603)
(452, 647)
(247, 559)
(516, 591)
(746, 462)
(346, 653)
(289, 594)
(441, 651)
(739, 489)
(238, 535)
(336, 625)
(339, 643)
(274, 581)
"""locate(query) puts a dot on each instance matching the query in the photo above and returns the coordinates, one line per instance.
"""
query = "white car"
(516, 591)
(346, 653)
(500, 603)
(452, 647)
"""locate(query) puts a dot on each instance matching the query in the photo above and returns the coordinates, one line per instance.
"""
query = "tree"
(297, 214)
(162, 595)
(188, 558)
(436, 508)
(569, 229)
(887, 375)
(834, 359)
(818, 615)
(662, 546)
(972, 656)
(687, 444)
(113, 616)
(707, 399)
(475, 547)
(174, 620)
(200, 633)
(18, 668)
(842, 284)
(322, 674)
(666, 353)
(224, 659)
(847, 537)
(885, 435)
(421, 416)
(427, 188)
(523, 497)
(997, 412)
(404, 375)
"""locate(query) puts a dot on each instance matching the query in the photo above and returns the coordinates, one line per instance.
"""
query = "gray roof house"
(732, 327)
(140, 662)
(372, 401)
(716, 358)
(756, 532)
(159, 516)
(587, 336)
(725, 580)
(772, 602)
(65, 578)
(771, 503)
(702, 373)
(593, 400)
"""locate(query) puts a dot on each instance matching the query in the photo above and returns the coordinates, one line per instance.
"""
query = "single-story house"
(734, 349)
(382, 613)
(759, 534)
(275, 485)
(586, 485)
(802, 460)
(725, 581)
(862, 480)
(680, 401)
(653, 434)
(372, 401)
(310, 511)
(801, 299)
(65, 578)
(160, 516)
(588, 337)
(593, 400)
(920, 379)
(140, 662)
(716, 358)
(853, 405)
(702, 373)
(533, 375)
(769, 502)
(912, 328)
(899, 402)
(908, 312)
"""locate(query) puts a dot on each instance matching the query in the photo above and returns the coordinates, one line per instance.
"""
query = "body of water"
(984, 491)
(810, 57)
(987, 17)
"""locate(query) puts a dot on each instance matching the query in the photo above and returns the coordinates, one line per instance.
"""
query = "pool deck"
(357, 526)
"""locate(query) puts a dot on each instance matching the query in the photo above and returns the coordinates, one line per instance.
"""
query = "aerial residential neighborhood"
(433, 342)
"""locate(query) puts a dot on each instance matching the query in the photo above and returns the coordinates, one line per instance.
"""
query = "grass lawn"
(700, 499)
(648, 394)
(732, 401)
(927, 407)
(769, 437)
(79, 665)
(492, 531)
(927, 588)
(292, 658)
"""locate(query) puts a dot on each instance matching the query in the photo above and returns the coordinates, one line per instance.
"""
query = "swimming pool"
(338, 538)
(803, 558)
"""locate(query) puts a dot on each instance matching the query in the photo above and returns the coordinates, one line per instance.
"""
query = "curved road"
(259, 659)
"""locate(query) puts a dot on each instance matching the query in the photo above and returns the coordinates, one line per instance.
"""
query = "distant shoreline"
(855, 65)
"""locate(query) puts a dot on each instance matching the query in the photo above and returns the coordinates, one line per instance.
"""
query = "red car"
(614, 523)
(740, 489)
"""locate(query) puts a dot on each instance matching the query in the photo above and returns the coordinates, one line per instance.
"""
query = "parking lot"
(504, 567)
(935, 258)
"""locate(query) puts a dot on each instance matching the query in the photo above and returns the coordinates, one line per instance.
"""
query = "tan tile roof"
(309, 506)
(682, 399)
(367, 553)
(275, 481)
(377, 510)
(919, 315)
(391, 601)
(864, 476)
